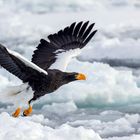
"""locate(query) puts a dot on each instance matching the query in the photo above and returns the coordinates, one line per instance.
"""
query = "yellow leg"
(28, 111)
(17, 112)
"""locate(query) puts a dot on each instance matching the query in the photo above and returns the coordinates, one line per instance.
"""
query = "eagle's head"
(73, 76)
(62, 78)
(70, 77)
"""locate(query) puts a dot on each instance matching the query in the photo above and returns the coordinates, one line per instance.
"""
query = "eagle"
(46, 72)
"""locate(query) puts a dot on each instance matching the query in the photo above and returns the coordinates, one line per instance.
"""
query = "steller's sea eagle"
(46, 73)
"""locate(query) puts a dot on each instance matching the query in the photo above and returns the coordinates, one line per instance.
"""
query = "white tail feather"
(17, 95)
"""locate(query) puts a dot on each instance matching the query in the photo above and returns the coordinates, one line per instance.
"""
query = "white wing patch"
(64, 58)
(27, 62)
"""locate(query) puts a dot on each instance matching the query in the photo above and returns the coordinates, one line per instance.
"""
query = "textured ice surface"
(106, 105)
(26, 128)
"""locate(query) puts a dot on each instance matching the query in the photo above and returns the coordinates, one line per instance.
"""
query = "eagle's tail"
(16, 95)
(9, 92)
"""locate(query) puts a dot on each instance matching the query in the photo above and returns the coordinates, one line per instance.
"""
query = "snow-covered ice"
(22, 128)
(104, 107)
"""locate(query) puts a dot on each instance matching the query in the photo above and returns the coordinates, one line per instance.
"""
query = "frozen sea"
(104, 107)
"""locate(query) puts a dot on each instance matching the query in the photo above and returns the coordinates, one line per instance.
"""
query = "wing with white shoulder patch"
(63, 58)
(56, 52)
(27, 62)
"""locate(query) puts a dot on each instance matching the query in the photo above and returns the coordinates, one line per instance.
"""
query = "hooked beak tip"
(80, 76)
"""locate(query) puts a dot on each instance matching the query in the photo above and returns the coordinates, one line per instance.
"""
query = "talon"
(16, 113)
(28, 111)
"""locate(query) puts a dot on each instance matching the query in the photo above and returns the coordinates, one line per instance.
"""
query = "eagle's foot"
(28, 111)
(16, 113)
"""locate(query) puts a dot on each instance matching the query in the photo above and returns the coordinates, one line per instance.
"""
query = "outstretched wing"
(18, 65)
(62, 46)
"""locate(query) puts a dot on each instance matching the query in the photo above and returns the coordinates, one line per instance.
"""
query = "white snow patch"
(60, 108)
(23, 128)
(123, 126)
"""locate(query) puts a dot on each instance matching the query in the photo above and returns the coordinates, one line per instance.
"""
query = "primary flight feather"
(47, 71)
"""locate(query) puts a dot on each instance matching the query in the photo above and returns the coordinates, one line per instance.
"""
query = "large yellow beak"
(80, 76)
